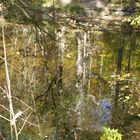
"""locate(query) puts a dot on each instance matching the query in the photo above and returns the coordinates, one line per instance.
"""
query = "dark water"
(64, 112)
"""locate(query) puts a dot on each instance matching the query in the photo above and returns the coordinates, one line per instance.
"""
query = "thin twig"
(5, 108)
(24, 123)
(2, 135)
(4, 91)
(5, 118)
(29, 122)
(23, 103)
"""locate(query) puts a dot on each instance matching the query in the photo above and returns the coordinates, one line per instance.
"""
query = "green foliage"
(111, 134)
(136, 22)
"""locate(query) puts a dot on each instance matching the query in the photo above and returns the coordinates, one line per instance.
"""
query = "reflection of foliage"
(111, 134)
(129, 90)
(48, 3)
(127, 84)
(72, 8)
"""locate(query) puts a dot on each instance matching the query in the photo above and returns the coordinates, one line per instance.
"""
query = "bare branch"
(29, 122)
(5, 108)
(4, 91)
(24, 123)
(23, 103)
(5, 118)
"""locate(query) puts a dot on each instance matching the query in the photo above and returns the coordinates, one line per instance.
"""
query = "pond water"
(77, 86)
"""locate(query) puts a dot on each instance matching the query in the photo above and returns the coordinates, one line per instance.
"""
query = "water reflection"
(87, 101)
(106, 111)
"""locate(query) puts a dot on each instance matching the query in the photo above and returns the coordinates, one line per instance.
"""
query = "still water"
(76, 86)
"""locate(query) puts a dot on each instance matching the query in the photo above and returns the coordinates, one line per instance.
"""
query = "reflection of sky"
(106, 113)
(101, 115)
